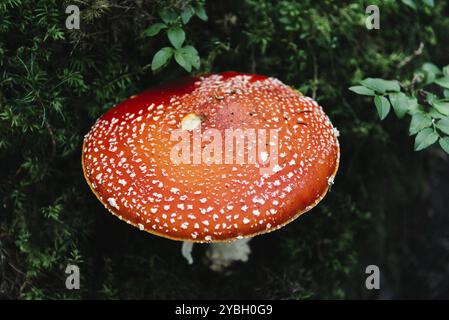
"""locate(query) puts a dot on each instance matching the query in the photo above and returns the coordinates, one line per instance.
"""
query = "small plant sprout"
(172, 24)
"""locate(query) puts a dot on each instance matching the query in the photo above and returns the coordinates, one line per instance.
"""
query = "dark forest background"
(388, 207)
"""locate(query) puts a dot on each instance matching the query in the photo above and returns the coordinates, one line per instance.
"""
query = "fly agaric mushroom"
(128, 159)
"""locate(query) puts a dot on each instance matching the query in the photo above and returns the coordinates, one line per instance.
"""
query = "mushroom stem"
(187, 251)
(222, 255)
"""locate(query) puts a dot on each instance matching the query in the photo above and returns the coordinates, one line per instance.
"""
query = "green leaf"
(425, 138)
(419, 122)
(444, 144)
(443, 82)
(399, 101)
(381, 85)
(182, 61)
(168, 15)
(190, 54)
(201, 13)
(413, 105)
(446, 70)
(430, 98)
(161, 58)
(430, 3)
(187, 14)
(362, 90)
(176, 36)
(446, 93)
(433, 113)
(410, 3)
(443, 125)
(442, 106)
(431, 68)
(154, 29)
(382, 106)
(431, 72)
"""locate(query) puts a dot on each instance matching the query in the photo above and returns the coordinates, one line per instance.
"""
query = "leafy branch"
(425, 99)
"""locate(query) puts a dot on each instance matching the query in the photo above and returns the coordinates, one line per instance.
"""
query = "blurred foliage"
(56, 82)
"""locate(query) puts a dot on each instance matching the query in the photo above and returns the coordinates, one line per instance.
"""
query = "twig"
(315, 70)
(315, 77)
(52, 137)
(408, 59)
(15, 268)
(253, 60)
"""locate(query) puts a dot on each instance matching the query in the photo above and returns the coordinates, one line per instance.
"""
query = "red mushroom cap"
(127, 159)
